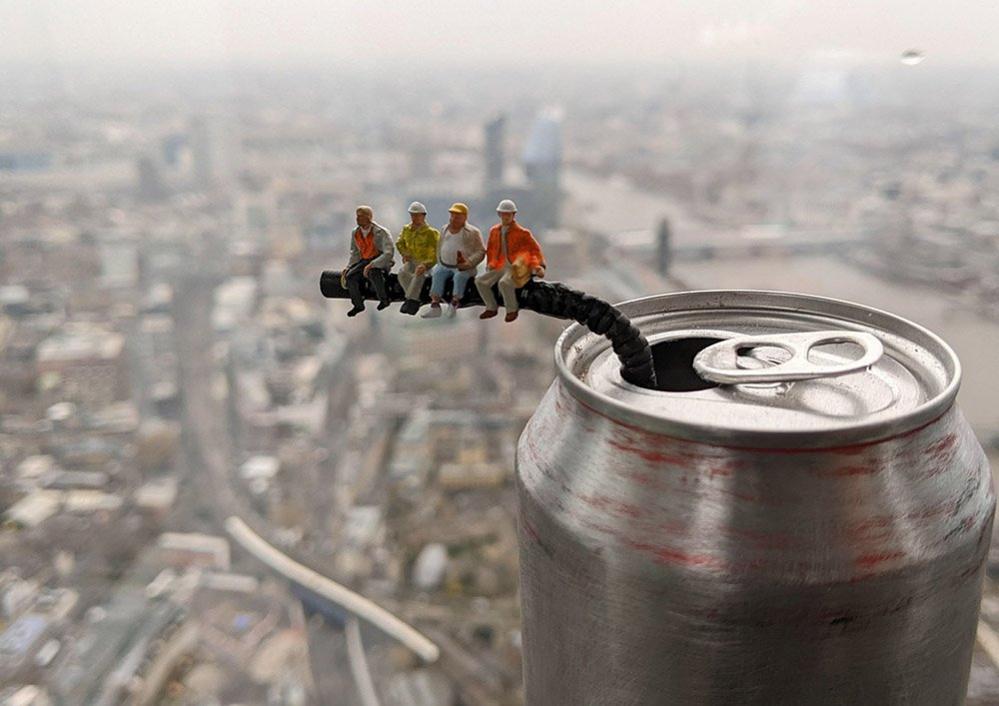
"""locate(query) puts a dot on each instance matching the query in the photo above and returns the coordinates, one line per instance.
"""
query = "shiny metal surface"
(914, 382)
(661, 565)
(722, 362)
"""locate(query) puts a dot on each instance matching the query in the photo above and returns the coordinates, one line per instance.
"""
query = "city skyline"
(171, 370)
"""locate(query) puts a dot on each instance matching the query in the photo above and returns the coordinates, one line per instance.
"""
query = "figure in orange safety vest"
(371, 250)
(513, 256)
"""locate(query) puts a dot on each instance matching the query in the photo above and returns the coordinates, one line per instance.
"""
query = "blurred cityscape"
(167, 361)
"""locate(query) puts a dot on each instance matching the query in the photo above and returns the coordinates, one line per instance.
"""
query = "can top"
(818, 372)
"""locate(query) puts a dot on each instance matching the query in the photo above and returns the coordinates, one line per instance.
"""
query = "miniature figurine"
(417, 243)
(459, 252)
(371, 251)
(512, 257)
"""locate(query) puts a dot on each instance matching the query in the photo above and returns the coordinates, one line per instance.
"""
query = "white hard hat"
(417, 207)
(506, 206)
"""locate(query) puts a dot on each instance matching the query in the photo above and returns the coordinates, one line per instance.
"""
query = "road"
(205, 431)
(208, 441)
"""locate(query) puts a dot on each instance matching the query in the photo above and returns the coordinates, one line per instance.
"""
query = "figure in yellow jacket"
(417, 243)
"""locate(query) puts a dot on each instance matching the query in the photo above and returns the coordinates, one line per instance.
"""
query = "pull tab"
(719, 362)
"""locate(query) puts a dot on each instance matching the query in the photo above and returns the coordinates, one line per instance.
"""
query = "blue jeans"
(440, 276)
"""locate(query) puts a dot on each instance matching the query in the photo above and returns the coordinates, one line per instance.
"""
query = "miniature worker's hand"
(538, 272)
(367, 269)
(405, 258)
(421, 269)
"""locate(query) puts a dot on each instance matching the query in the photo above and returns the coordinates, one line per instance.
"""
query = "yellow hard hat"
(459, 208)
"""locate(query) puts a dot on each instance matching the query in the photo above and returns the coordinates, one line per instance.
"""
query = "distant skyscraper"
(201, 153)
(543, 166)
(214, 151)
(664, 236)
(151, 186)
(171, 147)
(495, 133)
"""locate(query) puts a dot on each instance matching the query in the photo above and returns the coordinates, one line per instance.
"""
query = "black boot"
(410, 306)
(377, 277)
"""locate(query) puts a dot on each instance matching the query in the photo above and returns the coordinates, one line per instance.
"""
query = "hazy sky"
(497, 32)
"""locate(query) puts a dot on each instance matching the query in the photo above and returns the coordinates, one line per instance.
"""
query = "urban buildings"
(166, 360)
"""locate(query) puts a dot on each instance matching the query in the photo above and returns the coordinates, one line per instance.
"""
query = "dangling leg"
(377, 277)
(355, 285)
(406, 277)
(509, 291)
(484, 283)
(461, 278)
(438, 280)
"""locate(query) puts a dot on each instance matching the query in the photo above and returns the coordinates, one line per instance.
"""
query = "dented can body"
(816, 541)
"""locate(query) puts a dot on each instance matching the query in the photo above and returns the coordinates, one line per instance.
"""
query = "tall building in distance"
(214, 151)
(172, 149)
(495, 131)
(664, 236)
(150, 184)
(542, 161)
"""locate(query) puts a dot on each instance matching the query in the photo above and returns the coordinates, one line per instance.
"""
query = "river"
(616, 207)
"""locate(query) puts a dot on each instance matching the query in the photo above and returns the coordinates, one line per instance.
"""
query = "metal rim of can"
(769, 301)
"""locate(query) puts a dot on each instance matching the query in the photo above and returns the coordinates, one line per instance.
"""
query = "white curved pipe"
(331, 590)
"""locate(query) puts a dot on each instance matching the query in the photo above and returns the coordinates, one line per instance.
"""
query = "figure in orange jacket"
(512, 257)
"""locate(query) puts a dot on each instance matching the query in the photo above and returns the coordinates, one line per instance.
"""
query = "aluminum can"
(800, 516)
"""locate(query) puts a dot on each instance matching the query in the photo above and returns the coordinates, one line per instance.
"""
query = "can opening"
(674, 364)
(754, 395)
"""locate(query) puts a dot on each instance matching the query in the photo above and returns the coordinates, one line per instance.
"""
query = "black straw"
(550, 299)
